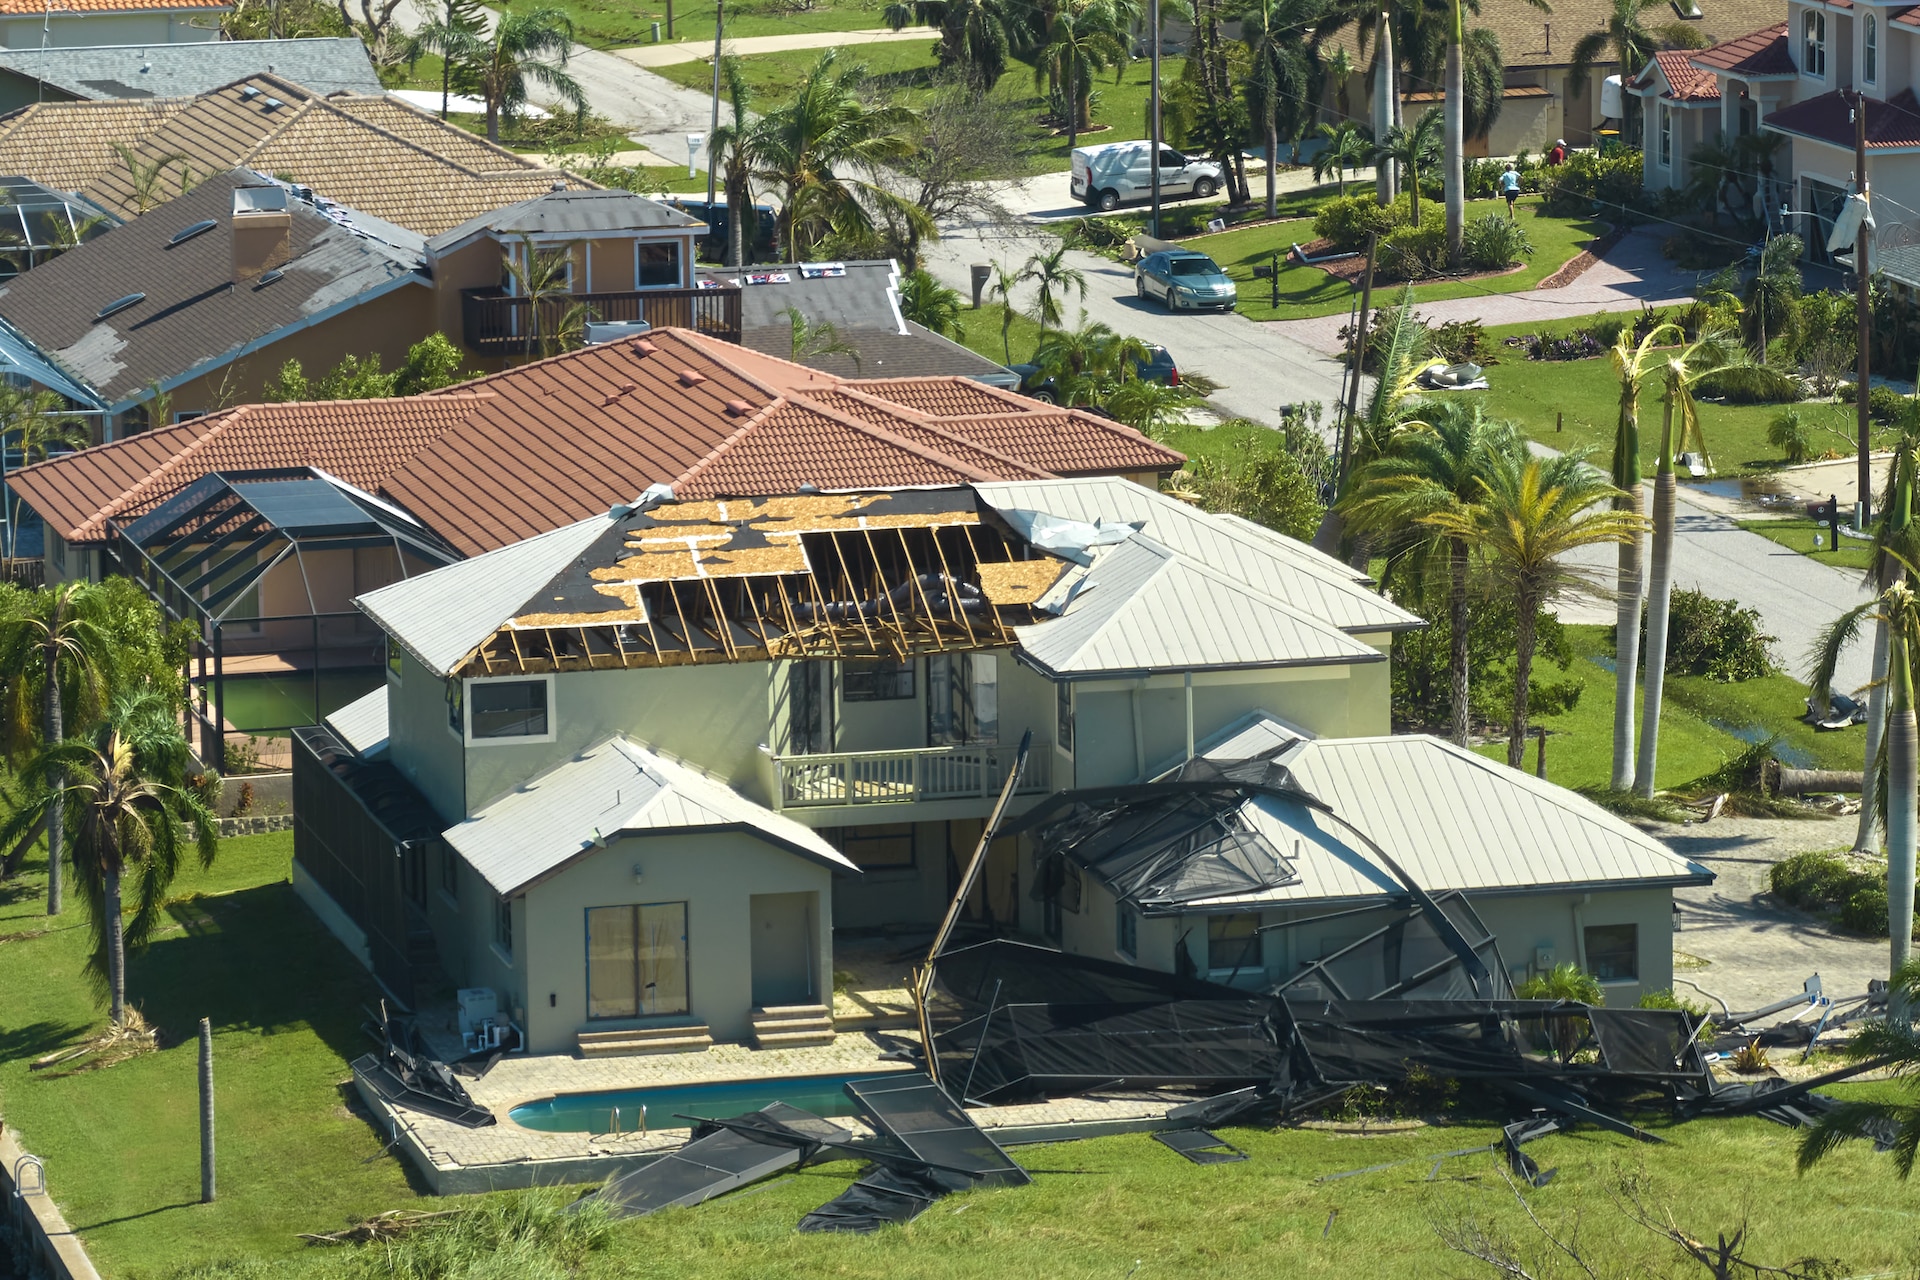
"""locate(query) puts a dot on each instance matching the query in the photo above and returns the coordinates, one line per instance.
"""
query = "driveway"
(1757, 950)
(667, 55)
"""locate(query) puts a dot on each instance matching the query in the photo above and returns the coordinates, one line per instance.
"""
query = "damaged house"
(633, 774)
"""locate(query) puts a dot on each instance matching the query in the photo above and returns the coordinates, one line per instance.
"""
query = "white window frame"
(1813, 44)
(466, 711)
(1666, 136)
(502, 907)
(681, 259)
(1870, 52)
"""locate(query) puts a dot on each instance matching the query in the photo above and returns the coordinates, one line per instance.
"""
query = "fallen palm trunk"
(1801, 782)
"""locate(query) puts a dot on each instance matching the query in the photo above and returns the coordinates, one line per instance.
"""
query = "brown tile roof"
(35, 8)
(1758, 53)
(525, 451)
(1510, 93)
(1909, 18)
(1685, 82)
(1532, 38)
(1829, 118)
(356, 441)
(371, 153)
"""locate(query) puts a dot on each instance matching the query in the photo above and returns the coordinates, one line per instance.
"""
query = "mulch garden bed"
(1577, 266)
(1353, 269)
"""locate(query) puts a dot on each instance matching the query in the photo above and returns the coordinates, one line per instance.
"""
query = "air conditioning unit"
(603, 331)
(478, 1006)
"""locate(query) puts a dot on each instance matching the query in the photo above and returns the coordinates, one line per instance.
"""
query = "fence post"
(206, 1112)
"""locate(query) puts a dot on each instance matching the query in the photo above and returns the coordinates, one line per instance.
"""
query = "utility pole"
(1153, 218)
(719, 16)
(1863, 507)
(1359, 363)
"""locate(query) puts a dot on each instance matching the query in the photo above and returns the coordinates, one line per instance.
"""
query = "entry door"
(783, 949)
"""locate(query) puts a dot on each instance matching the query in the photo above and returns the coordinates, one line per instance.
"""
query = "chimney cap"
(263, 199)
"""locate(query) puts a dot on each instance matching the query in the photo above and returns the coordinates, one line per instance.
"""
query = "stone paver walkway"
(1634, 272)
(667, 55)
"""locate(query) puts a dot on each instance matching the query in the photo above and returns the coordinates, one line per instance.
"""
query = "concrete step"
(639, 1040)
(777, 1026)
(792, 1039)
(874, 1022)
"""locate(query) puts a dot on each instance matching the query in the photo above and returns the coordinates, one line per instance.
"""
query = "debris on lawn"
(127, 1039)
(403, 1073)
(390, 1225)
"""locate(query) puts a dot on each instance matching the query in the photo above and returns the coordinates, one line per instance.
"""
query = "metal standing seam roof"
(442, 616)
(328, 64)
(362, 723)
(1453, 819)
(1141, 607)
(1268, 563)
(615, 788)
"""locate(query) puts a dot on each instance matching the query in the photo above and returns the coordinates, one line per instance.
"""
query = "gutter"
(1141, 673)
(1585, 890)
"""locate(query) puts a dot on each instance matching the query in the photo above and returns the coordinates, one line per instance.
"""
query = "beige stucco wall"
(544, 980)
(63, 31)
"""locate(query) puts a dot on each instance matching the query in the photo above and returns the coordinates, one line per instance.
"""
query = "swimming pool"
(593, 1112)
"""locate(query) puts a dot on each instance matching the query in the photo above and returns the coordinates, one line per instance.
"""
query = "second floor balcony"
(913, 776)
(496, 323)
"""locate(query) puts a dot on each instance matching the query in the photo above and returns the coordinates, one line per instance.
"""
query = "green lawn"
(1797, 533)
(1573, 404)
(607, 24)
(980, 331)
(907, 70)
(1309, 291)
(1703, 725)
(121, 1144)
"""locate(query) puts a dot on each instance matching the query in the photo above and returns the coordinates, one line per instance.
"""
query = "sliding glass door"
(637, 960)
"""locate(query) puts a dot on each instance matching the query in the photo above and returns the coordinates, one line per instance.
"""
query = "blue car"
(1185, 280)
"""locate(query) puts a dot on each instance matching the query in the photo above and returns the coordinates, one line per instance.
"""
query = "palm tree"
(1457, 104)
(459, 36)
(815, 338)
(1710, 353)
(1890, 1038)
(1437, 465)
(1081, 37)
(976, 36)
(1530, 514)
(1630, 365)
(826, 127)
(1413, 149)
(1051, 273)
(53, 650)
(145, 175)
(1898, 609)
(1339, 69)
(1090, 362)
(930, 304)
(543, 277)
(729, 151)
(121, 802)
(1148, 407)
(530, 47)
(1348, 147)
(34, 422)
(1005, 281)
(1279, 85)
(1626, 35)
(1773, 294)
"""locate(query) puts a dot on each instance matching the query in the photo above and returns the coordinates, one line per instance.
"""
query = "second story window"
(963, 699)
(1870, 51)
(503, 709)
(882, 681)
(1063, 708)
(1813, 45)
(658, 265)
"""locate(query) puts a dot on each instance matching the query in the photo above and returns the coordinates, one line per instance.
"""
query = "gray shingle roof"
(324, 65)
(192, 318)
(616, 788)
(560, 213)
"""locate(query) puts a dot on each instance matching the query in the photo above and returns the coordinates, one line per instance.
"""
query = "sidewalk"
(667, 55)
(1633, 273)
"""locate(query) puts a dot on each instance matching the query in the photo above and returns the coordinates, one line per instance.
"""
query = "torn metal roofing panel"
(1142, 608)
(1266, 562)
(362, 723)
(188, 314)
(443, 616)
(616, 788)
(334, 64)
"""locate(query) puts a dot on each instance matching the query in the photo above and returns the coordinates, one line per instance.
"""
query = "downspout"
(1139, 743)
(1580, 931)
(1189, 684)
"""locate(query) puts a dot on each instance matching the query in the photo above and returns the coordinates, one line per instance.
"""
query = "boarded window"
(1613, 952)
(637, 960)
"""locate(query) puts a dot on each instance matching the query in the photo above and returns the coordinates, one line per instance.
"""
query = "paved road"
(666, 55)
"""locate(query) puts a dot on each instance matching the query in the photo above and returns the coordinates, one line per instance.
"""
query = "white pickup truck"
(1116, 172)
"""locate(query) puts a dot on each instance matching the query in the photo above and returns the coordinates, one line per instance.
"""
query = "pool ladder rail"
(615, 1133)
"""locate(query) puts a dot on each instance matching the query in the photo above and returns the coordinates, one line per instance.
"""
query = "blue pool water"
(593, 1112)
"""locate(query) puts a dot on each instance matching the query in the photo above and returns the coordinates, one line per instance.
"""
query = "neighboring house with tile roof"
(1541, 102)
(1801, 79)
(35, 24)
(515, 454)
(323, 64)
(368, 152)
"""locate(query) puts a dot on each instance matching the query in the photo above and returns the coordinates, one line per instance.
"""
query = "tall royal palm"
(728, 152)
(1530, 514)
(121, 802)
(809, 147)
(1441, 464)
(525, 49)
(1455, 178)
(53, 658)
(1280, 82)
(1632, 361)
(1625, 34)
(1710, 353)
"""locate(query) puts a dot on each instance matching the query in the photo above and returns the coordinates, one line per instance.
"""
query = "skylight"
(119, 304)
(187, 233)
(270, 277)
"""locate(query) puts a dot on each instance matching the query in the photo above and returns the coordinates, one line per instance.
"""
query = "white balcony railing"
(905, 777)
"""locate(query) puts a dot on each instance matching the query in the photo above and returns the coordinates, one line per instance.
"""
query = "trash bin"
(981, 274)
(656, 33)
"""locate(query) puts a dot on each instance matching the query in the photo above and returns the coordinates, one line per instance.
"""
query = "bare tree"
(386, 44)
(965, 137)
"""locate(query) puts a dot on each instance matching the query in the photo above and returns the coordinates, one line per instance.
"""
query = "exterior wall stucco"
(65, 31)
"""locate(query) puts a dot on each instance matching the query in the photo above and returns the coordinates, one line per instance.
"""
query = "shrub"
(1788, 433)
(1693, 250)
(1414, 253)
(1458, 341)
(1751, 384)
(1865, 911)
(1493, 242)
(1573, 346)
(1884, 404)
(1587, 178)
(1717, 639)
(1668, 1000)
(1812, 881)
(1346, 221)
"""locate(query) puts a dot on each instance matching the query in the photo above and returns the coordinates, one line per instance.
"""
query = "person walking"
(1510, 187)
(1557, 156)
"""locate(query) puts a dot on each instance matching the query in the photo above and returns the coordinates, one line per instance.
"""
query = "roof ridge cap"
(719, 451)
(926, 423)
(522, 165)
(970, 473)
(697, 342)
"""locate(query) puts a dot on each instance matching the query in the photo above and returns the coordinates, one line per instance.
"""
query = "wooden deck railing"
(495, 323)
